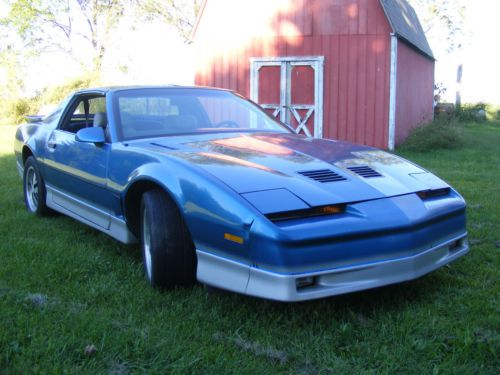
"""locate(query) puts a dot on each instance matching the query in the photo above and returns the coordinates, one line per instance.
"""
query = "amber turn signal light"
(233, 238)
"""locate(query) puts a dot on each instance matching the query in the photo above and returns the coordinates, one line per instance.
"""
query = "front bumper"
(246, 279)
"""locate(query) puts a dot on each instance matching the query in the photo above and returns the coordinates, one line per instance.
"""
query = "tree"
(179, 13)
(444, 20)
(12, 64)
(55, 25)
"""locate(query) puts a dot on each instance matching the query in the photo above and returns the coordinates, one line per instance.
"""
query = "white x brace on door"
(290, 88)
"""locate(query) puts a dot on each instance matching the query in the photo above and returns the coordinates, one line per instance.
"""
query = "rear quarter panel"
(34, 137)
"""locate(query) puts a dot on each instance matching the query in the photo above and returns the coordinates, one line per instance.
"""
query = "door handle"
(51, 144)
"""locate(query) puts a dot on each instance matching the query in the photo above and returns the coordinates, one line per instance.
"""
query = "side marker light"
(233, 238)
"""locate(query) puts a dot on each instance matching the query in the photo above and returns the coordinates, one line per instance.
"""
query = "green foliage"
(444, 19)
(53, 25)
(179, 13)
(493, 113)
(15, 109)
(442, 133)
(54, 94)
(65, 287)
(33, 21)
(471, 112)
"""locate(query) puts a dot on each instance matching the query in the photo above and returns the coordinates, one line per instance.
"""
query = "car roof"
(107, 89)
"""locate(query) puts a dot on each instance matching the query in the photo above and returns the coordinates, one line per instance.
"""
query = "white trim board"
(392, 92)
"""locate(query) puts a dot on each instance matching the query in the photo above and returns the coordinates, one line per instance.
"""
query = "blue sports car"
(214, 189)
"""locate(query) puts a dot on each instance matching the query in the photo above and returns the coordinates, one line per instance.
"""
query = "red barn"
(355, 70)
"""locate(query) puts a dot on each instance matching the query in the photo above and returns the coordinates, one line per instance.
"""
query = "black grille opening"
(427, 194)
(323, 175)
(365, 171)
(307, 213)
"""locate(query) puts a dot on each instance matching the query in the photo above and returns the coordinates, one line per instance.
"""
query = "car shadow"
(362, 305)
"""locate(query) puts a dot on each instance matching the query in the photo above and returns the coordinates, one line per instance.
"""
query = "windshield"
(157, 112)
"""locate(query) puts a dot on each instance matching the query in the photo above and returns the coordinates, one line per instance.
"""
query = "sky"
(154, 54)
(482, 56)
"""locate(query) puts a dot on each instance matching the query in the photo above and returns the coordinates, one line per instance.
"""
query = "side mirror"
(91, 135)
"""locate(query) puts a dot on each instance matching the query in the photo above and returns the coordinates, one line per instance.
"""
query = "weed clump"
(439, 134)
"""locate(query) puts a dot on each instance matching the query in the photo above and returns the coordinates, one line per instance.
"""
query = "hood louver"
(323, 175)
(365, 171)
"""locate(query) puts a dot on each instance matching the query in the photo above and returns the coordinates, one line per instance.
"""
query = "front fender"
(213, 212)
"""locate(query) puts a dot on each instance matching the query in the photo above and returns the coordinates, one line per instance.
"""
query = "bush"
(471, 112)
(493, 112)
(439, 134)
(468, 112)
(19, 108)
(55, 94)
(14, 110)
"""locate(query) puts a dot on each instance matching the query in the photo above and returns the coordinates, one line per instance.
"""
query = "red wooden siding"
(352, 35)
(414, 91)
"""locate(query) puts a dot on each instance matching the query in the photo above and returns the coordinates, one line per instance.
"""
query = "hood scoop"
(323, 175)
(365, 171)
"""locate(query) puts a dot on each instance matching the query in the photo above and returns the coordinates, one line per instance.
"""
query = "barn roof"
(405, 24)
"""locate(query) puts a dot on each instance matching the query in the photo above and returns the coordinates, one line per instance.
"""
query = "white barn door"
(290, 88)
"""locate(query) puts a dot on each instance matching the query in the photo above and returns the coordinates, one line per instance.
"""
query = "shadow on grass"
(368, 302)
(55, 231)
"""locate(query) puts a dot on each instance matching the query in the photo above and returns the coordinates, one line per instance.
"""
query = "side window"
(83, 112)
(95, 105)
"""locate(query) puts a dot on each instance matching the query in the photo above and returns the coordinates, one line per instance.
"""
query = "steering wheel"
(227, 124)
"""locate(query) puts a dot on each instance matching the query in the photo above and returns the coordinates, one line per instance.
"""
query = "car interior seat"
(101, 120)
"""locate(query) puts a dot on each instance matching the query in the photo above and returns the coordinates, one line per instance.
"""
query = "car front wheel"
(167, 248)
(34, 188)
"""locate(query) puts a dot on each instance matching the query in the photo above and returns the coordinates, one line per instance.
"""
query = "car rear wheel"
(167, 248)
(34, 188)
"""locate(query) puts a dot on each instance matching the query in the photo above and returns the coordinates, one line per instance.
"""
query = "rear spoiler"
(34, 118)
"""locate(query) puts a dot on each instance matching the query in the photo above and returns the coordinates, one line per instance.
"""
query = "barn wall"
(414, 91)
(353, 35)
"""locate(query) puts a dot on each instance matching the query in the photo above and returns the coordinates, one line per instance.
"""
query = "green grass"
(64, 286)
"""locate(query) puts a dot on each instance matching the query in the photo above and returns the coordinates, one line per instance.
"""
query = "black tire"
(168, 252)
(34, 189)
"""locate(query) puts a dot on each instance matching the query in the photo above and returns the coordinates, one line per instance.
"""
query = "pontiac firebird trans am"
(214, 189)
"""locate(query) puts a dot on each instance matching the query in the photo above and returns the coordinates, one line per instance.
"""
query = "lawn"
(65, 287)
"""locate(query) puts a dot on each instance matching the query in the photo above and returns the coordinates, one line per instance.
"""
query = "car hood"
(317, 171)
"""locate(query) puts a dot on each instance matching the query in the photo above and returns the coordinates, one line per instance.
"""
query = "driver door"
(76, 172)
